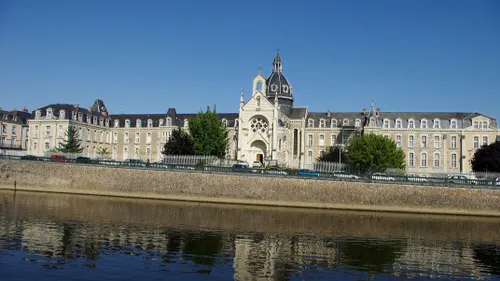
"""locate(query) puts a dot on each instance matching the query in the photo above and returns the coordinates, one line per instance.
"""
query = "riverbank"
(245, 189)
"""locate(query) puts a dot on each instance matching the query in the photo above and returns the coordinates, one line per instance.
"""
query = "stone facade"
(14, 129)
(268, 127)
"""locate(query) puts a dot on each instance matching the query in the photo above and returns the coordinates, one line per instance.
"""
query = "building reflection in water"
(254, 243)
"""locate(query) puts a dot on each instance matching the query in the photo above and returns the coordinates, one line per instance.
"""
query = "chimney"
(378, 112)
(25, 109)
(328, 113)
(364, 111)
(90, 109)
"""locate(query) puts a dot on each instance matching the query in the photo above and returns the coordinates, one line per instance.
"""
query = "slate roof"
(69, 108)
(9, 116)
(297, 113)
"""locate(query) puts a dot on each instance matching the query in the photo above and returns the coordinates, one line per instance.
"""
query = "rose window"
(259, 124)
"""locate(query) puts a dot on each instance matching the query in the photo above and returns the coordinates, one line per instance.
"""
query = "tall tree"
(370, 152)
(71, 144)
(209, 134)
(487, 158)
(179, 143)
(334, 154)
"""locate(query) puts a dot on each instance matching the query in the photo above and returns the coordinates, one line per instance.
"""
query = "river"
(74, 237)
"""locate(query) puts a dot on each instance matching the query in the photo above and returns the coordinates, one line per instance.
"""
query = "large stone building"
(14, 131)
(269, 126)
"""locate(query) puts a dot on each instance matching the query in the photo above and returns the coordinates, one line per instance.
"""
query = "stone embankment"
(244, 189)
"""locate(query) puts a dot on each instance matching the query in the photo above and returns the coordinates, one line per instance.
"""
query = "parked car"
(344, 175)
(58, 158)
(241, 168)
(84, 160)
(134, 162)
(307, 173)
(496, 181)
(275, 171)
(257, 164)
(415, 178)
(459, 179)
(382, 177)
(29, 157)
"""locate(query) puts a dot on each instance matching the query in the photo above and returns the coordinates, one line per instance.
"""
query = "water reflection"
(107, 238)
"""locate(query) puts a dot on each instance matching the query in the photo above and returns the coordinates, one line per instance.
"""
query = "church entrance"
(260, 158)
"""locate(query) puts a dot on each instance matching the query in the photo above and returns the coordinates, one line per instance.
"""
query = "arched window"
(310, 123)
(138, 123)
(168, 121)
(333, 123)
(322, 123)
(411, 124)
(437, 124)
(259, 86)
(345, 122)
(423, 123)
(437, 160)
(127, 123)
(453, 124)
(224, 122)
(399, 123)
(387, 123)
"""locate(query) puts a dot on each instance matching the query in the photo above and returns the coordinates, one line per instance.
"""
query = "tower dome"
(277, 85)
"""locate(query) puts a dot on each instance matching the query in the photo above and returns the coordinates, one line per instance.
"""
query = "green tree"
(179, 143)
(487, 158)
(103, 152)
(209, 134)
(375, 153)
(334, 154)
(72, 143)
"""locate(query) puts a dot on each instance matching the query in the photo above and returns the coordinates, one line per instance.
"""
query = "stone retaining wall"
(244, 189)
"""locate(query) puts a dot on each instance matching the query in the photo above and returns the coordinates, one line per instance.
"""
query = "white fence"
(12, 152)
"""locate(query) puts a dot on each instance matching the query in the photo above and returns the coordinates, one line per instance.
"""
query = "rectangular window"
(485, 140)
(13, 141)
(476, 142)
(424, 141)
(14, 130)
(47, 132)
(437, 141)
(125, 137)
(436, 160)
(386, 123)
(4, 128)
(453, 160)
(398, 141)
(309, 156)
(3, 140)
(424, 160)
(411, 159)
(334, 137)
(321, 140)
(485, 124)
(345, 139)
(47, 146)
(137, 137)
(454, 142)
(310, 141)
(411, 141)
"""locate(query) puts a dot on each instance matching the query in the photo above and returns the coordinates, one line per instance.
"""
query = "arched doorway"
(258, 151)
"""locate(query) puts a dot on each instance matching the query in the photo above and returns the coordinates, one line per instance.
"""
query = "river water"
(69, 237)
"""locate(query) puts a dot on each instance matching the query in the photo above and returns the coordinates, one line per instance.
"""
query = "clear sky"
(147, 56)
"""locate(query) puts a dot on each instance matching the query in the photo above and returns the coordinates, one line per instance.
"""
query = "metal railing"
(301, 173)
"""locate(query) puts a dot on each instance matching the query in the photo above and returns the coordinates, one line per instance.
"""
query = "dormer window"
(411, 124)
(345, 122)
(94, 120)
(117, 123)
(107, 122)
(168, 121)
(161, 122)
(224, 122)
(186, 122)
(138, 123)
(437, 124)
(150, 123)
(357, 123)
(62, 114)
(423, 124)
(89, 119)
(38, 114)
(373, 122)
(80, 117)
(485, 125)
(322, 123)
(453, 124)
(333, 123)
(101, 121)
(73, 115)
(387, 123)
(310, 123)
(49, 112)
(399, 123)
(127, 123)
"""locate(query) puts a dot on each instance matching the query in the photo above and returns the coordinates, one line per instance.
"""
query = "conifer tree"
(71, 144)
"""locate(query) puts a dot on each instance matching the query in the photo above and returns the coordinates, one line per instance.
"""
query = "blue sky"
(147, 56)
